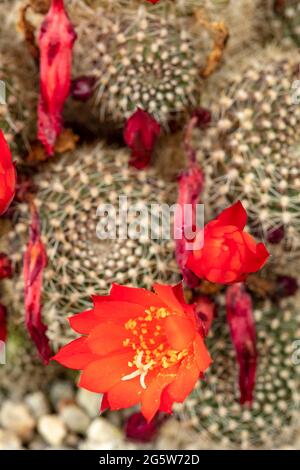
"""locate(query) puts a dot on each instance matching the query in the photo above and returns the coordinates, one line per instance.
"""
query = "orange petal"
(125, 394)
(186, 379)
(75, 355)
(106, 338)
(135, 295)
(167, 295)
(99, 376)
(118, 311)
(180, 332)
(202, 355)
(151, 398)
(84, 322)
(166, 402)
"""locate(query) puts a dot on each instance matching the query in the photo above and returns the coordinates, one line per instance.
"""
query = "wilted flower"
(243, 332)
(35, 260)
(140, 134)
(229, 254)
(56, 39)
(138, 347)
(138, 429)
(7, 175)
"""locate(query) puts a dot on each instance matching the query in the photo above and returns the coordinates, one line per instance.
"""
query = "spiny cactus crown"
(214, 409)
(80, 264)
(251, 151)
(140, 59)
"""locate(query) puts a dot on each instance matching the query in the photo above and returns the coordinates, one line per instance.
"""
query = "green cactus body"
(213, 408)
(140, 59)
(79, 264)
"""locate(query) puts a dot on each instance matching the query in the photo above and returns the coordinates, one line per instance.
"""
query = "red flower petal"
(152, 395)
(134, 295)
(106, 338)
(243, 333)
(180, 332)
(234, 215)
(56, 39)
(35, 260)
(75, 355)
(186, 379)
(168, 296)
(99, 376)
(125, 394)
(5, 266)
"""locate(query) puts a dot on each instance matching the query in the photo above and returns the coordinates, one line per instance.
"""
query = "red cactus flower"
(56, 39)
(205, 309)
(138, 347)
(138, 429)
(7, 175)
(35, 260)
(243, 333)
(140, 134)
(229, 254)
(5, 266)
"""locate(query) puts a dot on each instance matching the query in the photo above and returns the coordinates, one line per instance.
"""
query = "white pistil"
(142, 370)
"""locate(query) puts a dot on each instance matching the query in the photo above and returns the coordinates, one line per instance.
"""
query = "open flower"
(229, 254)
(138, 347)
(7, 175)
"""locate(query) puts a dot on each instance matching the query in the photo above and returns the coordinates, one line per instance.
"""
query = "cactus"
(140, 59)
(213, 408)
(251, 151)
(79, 264)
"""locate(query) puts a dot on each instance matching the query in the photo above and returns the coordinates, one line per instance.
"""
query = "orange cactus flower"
(138, 347)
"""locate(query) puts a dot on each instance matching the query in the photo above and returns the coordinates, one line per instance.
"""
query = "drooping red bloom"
(35, 261)
(56, 39)
(7, 175)
(229, 254)
(243, 333)
(5, 266)
(140, 134)
(3, 325)
(138, 347)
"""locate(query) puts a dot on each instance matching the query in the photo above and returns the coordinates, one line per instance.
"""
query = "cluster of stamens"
(149, 343)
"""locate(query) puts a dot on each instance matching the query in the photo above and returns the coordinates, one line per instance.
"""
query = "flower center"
(149, 343)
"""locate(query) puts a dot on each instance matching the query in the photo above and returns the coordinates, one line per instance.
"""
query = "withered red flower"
(5, 266)
(56, 39)
(3, 325)
(140, 134)
(7, 175)
(138, 429)
(138, 347)
(229, 253)
(243, 333)
(205, 309)
(35, 261)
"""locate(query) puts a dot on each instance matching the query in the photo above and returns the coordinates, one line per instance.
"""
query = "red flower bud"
(140, 134)
(7, 175)
(138, 429)
(205, 310)
(56, 39)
